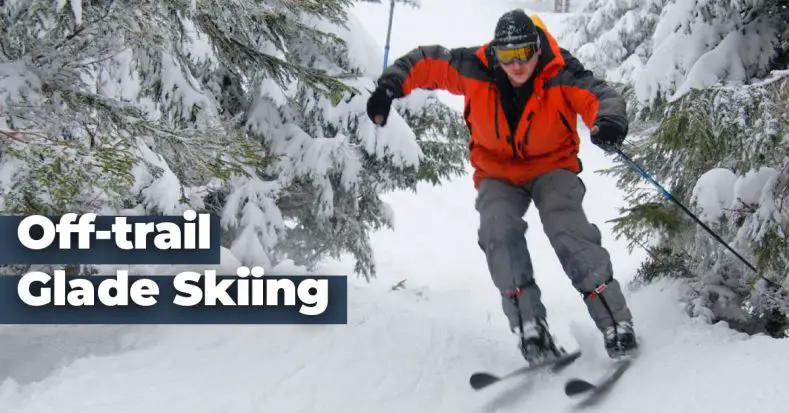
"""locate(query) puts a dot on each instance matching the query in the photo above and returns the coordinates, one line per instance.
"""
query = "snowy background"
(411, 349)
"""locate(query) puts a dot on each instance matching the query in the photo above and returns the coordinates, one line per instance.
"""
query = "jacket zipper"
(510, 138)
(526, 134)
(496, 112)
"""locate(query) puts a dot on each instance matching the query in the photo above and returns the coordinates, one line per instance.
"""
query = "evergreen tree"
(707, 92)
(612, 35)
(253, 110)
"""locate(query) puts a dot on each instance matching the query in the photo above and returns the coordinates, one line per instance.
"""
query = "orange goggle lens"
(516, 54)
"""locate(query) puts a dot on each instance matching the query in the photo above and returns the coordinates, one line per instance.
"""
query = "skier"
(523, 93)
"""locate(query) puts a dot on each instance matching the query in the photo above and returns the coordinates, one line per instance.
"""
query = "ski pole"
(670, 197)
(388, 34)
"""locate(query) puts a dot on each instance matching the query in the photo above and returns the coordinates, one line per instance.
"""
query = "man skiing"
(523, 94)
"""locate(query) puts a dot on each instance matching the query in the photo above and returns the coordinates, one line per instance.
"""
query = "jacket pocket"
(573, 136)
(565, 123)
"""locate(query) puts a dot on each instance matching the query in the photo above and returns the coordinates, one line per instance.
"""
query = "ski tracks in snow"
(398, 353)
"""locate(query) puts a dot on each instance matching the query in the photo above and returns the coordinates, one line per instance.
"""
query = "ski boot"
(620, 339)
(536, 343)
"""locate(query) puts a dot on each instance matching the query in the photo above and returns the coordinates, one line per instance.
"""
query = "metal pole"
(388, 34)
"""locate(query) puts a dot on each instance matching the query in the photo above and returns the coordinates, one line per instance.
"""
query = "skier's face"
(519, 72)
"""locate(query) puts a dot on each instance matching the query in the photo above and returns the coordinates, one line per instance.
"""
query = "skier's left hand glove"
(379, 105)
(607, 134)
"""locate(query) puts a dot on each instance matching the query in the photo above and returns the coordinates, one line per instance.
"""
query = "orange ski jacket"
(544, 137)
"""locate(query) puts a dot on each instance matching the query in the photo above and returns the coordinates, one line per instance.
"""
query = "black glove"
(379, 105)
(609, 134)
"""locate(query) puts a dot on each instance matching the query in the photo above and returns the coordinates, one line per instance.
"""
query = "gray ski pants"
(558, 197)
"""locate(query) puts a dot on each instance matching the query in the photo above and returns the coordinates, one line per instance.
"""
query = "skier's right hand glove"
(379, 105)
(607, 134)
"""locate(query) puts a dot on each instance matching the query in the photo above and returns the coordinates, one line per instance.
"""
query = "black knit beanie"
(514, 27)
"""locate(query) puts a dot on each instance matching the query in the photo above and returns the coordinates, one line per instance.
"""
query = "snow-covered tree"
(254, 110)
(606, 34)
(707, 86)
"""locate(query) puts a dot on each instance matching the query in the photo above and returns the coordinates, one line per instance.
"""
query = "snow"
(728, 62)
(714, 192)
(748, 188)
(401, 353)
(405, 350)
(160, 193)
(76, 8)
(197, 43)
(180, 88)
(720, 189)
(251, 205)
(694, 44)
(17, 84)
(8, 175)
(397, 139)
(362, 50)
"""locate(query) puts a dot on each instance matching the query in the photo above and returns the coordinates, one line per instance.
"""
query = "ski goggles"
(507, 55)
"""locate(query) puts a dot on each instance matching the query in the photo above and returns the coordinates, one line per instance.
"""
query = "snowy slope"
(399, 353)
(409, 350)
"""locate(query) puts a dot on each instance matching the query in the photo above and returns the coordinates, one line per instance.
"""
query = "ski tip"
(577, 386)
(481, 380)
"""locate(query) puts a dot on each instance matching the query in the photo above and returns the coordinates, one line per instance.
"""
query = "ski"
(480, 380)
(595, 390)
